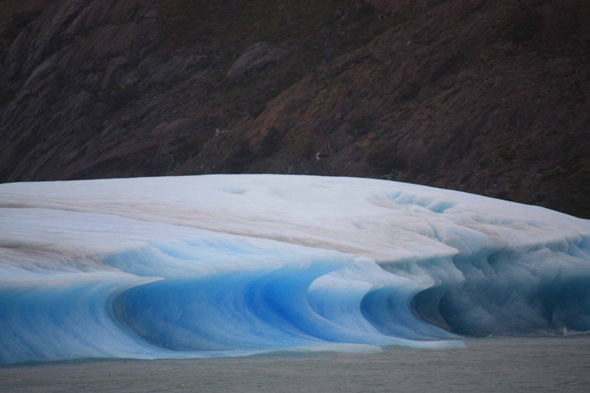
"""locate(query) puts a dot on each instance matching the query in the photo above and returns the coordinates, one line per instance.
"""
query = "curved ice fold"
(236, 265)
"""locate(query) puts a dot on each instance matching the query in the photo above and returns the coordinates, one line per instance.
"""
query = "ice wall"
(236, 265)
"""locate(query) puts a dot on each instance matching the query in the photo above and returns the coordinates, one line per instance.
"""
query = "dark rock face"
(490, 97)
(256, 58)
(489, 103)
(86, 76)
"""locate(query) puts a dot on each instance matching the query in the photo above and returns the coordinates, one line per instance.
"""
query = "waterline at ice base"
(234, 265)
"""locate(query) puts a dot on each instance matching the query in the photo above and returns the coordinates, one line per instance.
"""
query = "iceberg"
(235, 265)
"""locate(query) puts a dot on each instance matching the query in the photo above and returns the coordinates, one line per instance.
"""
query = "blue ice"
(182, 267)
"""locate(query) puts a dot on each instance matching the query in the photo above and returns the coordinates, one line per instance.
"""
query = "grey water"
(498, 364)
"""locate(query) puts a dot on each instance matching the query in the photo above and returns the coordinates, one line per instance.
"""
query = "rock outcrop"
(258, 57)
(86, 77)
(485, 97)
(490, 97)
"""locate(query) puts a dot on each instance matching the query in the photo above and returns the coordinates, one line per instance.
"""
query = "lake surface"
(506, 364)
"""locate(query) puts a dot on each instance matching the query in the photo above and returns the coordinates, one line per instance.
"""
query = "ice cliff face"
(235, 265)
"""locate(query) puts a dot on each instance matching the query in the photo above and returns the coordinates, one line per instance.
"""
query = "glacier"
(235, 265)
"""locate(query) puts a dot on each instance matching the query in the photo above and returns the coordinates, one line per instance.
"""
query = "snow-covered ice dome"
(231, 265)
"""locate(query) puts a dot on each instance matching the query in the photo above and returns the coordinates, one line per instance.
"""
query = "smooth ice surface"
(234, 265)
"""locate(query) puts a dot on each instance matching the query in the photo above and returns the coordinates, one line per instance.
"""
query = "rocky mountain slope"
(490, 97)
